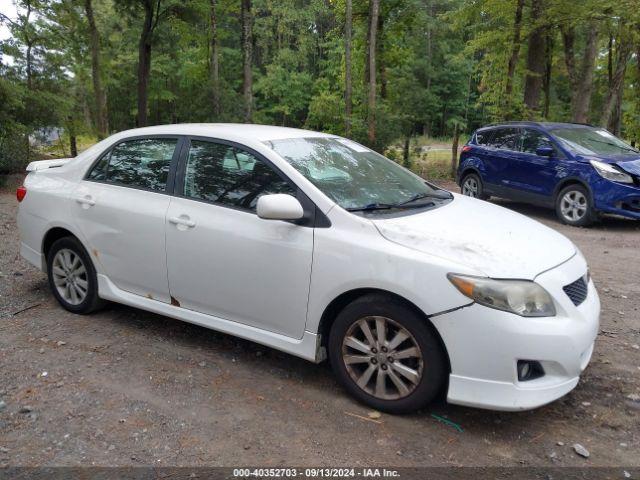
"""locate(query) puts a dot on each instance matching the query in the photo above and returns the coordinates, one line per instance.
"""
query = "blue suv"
(579, 170)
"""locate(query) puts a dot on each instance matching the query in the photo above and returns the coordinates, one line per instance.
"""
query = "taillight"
(21, 192)
(466, 148)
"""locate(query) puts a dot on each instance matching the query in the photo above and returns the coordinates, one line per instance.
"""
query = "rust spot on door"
(149, 296)
(175, 302)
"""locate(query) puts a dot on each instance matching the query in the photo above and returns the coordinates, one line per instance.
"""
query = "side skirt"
(308, 347)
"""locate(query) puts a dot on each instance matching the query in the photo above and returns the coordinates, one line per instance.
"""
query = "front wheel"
(573, 206)
(72, 277)
(386, 355)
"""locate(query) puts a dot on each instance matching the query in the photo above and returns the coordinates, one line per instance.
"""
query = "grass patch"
(428, 157)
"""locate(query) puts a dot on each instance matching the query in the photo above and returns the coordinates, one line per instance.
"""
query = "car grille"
(576, 291)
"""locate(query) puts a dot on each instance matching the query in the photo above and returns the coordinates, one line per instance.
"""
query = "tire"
(471, 186)
(574, 206)
(72, 276)
(429, 366)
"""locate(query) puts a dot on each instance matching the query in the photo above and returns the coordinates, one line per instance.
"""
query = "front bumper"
(484, 346)
(616, 198)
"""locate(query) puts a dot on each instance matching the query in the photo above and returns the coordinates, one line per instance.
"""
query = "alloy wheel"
(573, 205)
(70, 276)
(382, 357)
(470, 187)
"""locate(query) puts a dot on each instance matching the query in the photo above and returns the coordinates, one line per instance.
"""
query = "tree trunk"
(371, 114)
(100, 98)
(247, 55)
(348, 87)
(547, 73)
(617, 83)
(73, 143)
(515, 53)
(144, 63)
(581, 81)
(405, 151)
(215, 62)
(382, 68)
(29, 43)
(535, 60)
(454, 150)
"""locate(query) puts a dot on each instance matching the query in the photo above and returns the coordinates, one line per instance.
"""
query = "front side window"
(505, 139)
(355, 177)
(533, 139)
(142, 163)
(228, 175)
(592, 141)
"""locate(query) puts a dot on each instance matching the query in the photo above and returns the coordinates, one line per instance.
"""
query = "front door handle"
(86, 201)
(182, 220)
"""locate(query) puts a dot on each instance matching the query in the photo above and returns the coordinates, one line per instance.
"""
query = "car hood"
(491, 239)
(628, 163)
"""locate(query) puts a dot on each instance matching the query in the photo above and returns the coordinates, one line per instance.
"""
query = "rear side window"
(484, 137)
(142, 163)
(228, 175)
(505, 139)
(533, 139)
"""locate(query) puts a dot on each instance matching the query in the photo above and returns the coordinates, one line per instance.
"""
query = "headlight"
(522, 297)
(610, 172)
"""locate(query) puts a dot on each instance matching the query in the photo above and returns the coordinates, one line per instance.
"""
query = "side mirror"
(279, 206)
(545, 151)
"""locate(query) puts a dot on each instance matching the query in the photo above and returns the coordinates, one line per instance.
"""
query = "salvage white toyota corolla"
(317, 246)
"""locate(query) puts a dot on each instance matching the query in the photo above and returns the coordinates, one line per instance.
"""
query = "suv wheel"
(386, 355)
(471, 186)
(573, 206)
(72, 277)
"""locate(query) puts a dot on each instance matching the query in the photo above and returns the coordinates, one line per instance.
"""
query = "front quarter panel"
(352, 255)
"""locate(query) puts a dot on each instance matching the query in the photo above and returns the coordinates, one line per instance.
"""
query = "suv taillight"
(466, 148)
(21, 192)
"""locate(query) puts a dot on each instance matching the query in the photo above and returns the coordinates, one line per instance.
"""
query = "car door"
(499, 158)
(225, 261)
(120, 208)
(536, 174)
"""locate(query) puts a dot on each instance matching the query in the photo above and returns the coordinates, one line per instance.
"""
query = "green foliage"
(441, 66)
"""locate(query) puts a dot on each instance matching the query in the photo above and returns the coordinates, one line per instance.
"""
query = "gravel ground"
(126, 387)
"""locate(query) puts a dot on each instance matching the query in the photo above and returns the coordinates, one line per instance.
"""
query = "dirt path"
(126, 387)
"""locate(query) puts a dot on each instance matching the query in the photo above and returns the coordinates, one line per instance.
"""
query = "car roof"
(543, 125)
(249, 132)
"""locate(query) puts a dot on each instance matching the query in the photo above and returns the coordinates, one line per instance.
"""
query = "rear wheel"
(386, 355)
(471, 186)
(72, 277)
(573, 206)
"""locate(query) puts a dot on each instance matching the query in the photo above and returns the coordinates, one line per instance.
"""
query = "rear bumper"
(484, 346)
(615, 198)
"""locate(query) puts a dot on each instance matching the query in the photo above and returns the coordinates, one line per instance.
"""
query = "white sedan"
(317, 246)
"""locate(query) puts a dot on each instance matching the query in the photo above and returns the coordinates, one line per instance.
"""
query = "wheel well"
(338, 304)
(571, 181)
(467, 171)
(53, 235)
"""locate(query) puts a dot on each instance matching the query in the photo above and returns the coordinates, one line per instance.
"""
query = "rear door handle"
(183, 220)
(86, 201)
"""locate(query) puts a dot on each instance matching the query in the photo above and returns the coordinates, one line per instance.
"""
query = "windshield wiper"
(421, 196)
(372, 206)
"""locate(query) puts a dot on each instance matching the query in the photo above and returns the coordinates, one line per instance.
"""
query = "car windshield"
(592, 141)
(355, 177)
